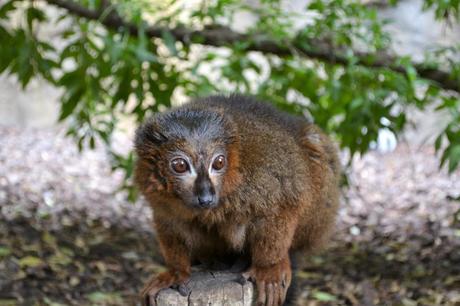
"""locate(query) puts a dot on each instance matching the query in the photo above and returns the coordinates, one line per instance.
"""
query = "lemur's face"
(190, 154)
(197, 176)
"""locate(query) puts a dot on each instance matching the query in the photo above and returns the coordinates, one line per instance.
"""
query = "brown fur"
(279, 196)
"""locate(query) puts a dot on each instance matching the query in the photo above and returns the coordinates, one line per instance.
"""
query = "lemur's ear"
(149, 135)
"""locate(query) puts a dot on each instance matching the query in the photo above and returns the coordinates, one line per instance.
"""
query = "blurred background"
(77, 77)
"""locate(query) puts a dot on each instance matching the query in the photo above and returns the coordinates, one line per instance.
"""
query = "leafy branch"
(223, 36)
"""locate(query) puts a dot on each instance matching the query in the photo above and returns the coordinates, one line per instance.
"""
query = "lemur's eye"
(219, 162)
(179, 165)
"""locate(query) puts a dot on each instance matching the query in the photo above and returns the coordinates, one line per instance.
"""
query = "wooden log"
(216, 288)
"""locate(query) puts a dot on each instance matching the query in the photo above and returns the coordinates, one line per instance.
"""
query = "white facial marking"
(189, 176)
(213, 174)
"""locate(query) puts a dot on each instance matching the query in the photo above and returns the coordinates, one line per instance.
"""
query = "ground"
(67, 237)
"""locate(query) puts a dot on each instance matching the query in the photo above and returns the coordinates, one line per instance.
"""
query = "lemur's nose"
(204, 190)
(206, 200)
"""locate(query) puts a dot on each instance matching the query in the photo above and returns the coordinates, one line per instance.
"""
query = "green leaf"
(30, 261)
(23, 65)
(316, 6)
(8, 302)
(145, 56)
(92, 142)
(411, 73)
(454, 157)
(170, 42)
(50, 302)
(438, 142)
(4, 251)
(59, 259)
(69, 104)
(104, 298)
(34, 14)
(7, 7)
(324, 296)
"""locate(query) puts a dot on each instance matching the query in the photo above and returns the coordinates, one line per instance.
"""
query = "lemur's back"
(243, 108)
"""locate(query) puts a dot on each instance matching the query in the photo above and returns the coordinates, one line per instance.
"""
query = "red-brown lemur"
(230, 177)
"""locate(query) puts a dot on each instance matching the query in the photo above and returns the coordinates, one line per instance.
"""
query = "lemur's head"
(190, 153)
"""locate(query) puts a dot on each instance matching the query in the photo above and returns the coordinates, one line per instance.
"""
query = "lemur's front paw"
(271, 283)
(164, 280)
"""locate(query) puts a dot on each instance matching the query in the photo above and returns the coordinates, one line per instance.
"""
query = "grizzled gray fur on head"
(190, 146)
(189, 123)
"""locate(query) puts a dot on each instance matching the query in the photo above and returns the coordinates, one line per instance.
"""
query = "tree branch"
(221, 37)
